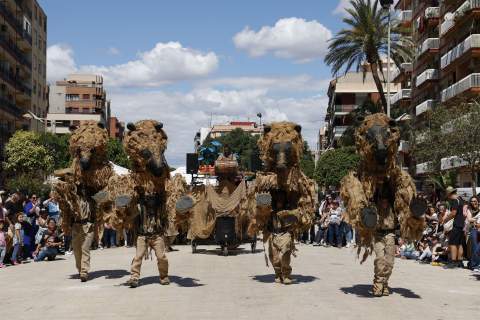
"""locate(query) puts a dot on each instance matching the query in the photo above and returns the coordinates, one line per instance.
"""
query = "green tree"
(334, 164)
(25, 154)
(116, 153)
(307, 163)
(28, 184)
(365, 41)
(453, 132)
(57, 146)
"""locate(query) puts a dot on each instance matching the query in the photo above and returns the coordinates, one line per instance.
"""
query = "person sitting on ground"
(408, 251)
(425, 249)
(439, 252)
(49, 244)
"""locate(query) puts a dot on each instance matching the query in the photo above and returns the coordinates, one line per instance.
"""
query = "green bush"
(335, 164)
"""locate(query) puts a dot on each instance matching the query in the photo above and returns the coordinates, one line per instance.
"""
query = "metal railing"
(424, 106)
(339, 130)
(405, 15)
(429, 74)
(432, 12)
(345, 108)
(10, 106)
(430, 43)
(12, 48)
(473, 41)
(470, 81)
(14, 22)
(402, 94)
(468, 5)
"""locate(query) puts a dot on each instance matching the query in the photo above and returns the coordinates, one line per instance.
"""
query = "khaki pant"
(280, 248)
(384, 248)
(82, 237)
(157, 243)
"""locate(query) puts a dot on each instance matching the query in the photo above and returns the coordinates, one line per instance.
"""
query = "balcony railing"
(404, 67)
(424, 106)
(432, 12)
(430, 43)
(24, 8)
(400, 95)
(429, 74)
(405, 16)
(468, 5)
(9, 106)
(469, 82)
(342, 108)
(339, 130)
(473, 41)
(14, 22)
(12, 48)
(423, 167)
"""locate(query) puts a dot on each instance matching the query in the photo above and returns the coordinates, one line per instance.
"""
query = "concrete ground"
(330, 284)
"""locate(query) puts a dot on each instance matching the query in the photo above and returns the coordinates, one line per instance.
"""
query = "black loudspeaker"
(255, 164)
(192, 163)
(225, 230)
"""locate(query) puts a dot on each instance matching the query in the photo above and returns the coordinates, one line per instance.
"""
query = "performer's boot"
(287, 280)
(386, 290)
(84, 277)
(164, 281)
(133, 283)
(377, 289)
(278, 278)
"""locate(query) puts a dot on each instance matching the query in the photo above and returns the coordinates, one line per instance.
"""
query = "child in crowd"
(17, 238)
(3, 244)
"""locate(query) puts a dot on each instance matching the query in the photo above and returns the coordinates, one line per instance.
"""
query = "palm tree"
(365, 41)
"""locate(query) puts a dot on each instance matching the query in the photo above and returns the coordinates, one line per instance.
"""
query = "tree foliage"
(57, 146)
(28, 184)
(307, 163)
(117, 154)
(25, 154)
(452, 133)
(334, 164)
(365, 41)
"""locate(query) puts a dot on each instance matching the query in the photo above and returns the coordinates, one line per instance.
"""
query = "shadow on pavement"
(181, 282)
(108, 274)
(231, 252)
(297, 279)
(363, 290)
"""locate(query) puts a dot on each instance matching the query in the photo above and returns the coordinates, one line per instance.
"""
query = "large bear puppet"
(379, 177)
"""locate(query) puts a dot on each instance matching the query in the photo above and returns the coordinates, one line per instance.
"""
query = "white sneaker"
(68, 253)
(348, 245)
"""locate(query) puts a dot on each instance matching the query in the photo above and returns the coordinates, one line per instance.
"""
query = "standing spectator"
(17, 238)
(109, 236)
(473, 220)
(3, 243)
(52, 206)
(32, 211)
(456, 237)
(13, 204)
(334, 225)
(3, 213)
(346, 230)
(49, 244)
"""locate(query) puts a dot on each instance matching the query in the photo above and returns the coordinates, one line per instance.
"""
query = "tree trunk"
(379, 85)
(473, 176)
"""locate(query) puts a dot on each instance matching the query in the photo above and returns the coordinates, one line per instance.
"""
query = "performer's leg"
(159, 246)
(389, 261)
(274, 257)
(141, 249)
(77, 240)
(286, 268)
(379, 266)
(88, 236)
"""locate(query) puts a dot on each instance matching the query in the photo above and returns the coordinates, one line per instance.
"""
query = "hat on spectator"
(450, 190)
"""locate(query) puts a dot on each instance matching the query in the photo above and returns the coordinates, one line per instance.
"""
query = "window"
(86, 97)
(72, 97)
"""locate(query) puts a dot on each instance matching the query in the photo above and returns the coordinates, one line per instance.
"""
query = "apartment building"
(116, 129)
(78, 98)
(23, 89)
(346, 93)
(446, 66)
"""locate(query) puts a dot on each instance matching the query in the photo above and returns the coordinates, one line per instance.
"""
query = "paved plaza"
(330, 284)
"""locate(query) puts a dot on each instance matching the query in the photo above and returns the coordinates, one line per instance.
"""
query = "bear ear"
(101, 125)
(392, 123)
(298, 128)
(159, 126)
(267, 129)
(72, 128)
(131, 126)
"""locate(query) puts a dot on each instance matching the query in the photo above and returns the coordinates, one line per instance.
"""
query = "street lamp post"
(386, 4)
(32, 116)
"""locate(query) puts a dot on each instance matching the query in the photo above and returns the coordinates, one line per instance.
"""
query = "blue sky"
(181, 61)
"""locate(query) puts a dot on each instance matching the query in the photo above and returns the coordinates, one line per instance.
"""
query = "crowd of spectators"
(30, 230)
(450, 239)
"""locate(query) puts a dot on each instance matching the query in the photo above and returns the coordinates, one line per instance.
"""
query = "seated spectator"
(49, 244)
(439, 251)
(407, 251)
(3, 243)
(42, 226)
(321, 236)
(334, 225)
(425, 248)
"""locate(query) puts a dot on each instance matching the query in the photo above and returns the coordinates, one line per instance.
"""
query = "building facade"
(23, 88)
(78, 98)
(116, 129)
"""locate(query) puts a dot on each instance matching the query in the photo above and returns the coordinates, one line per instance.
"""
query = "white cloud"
(291, 38)
(342, 5)
(113, 51)
(60, 62)
(183, 114)
(165, 63)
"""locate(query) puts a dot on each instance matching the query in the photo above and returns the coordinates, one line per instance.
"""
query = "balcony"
(470, 82)
(427, 75)
(16, 53)
(429, 44)
(424, 107)
(9, 106)
(403, 94)
(404, 67)
(14, 22)
(339, 130)
(423, 168)
(404, 16)
(472, 42)
(432, 13)
(341, 110)
(448, 25)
